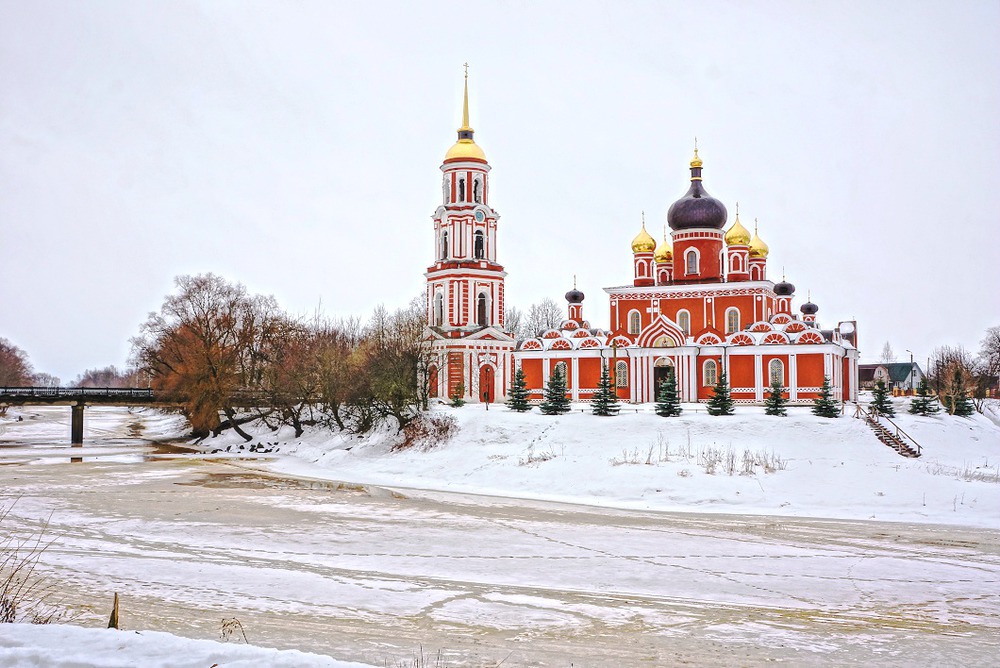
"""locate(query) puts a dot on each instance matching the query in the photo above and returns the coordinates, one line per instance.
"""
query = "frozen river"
(373, 574)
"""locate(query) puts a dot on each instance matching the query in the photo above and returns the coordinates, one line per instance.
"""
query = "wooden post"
(113, 622)
(76, 429)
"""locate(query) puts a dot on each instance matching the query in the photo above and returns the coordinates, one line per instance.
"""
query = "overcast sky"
(295, 147)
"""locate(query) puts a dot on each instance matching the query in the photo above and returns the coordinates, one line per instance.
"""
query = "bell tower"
(465, 284)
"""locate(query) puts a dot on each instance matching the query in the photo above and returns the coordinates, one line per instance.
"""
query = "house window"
(691, 262)
(711, 373)
(481, 310)
(461, 190)
(634, 322)
(444, 244)
(776, 372)
(621, 373)
(732, 320)
(479, 244)
(684, 322)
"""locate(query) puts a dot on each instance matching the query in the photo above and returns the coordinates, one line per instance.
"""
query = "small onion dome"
(574, 296)
(809, 308)
(784, 289)
(643, 243)
(737, 235)
(757, 246)
(697, 208)
(664, 254)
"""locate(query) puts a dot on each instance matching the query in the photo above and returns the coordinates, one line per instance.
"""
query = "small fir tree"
(555, 401)
(924, 403)
(668, 404)
(457, 396)
(605, 400)
(517, 396)
(960, 403)
(720, 403)
(825, 405)
(775, 402)
(881, 401)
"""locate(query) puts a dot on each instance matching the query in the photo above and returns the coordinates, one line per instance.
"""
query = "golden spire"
(465, 100)
(757, 246)
(643, 243)
(465, 148)
(696, 161)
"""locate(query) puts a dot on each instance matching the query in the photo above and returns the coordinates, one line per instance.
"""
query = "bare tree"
(109, 376)
(545, 314)
(989, 352)
(887, 355)
(43, 379)
(15, 369)
(955, 372)
(514, 319)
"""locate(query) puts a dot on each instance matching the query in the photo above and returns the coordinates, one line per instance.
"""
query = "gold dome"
(696, 161)
(643, 243)
(757, 246)
(737, 235)
(664, 253)
(465, 149)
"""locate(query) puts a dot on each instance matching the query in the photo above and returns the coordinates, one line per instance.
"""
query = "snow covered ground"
(468, 545)
(805, 466)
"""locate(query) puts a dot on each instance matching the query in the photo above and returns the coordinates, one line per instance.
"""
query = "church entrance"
(486, 376)
(663, 368)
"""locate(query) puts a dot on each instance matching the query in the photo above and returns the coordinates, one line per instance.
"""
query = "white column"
(758, 377)
(793, 377)
(575, 370)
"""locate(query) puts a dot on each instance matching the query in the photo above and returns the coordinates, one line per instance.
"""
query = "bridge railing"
(74, 392)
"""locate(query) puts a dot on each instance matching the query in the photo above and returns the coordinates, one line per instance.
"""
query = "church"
(698, 305)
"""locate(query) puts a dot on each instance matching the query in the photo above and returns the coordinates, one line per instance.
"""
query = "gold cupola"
(757, 246)
(737, 235)
(643, 242)
(664, 253)
(465, 148)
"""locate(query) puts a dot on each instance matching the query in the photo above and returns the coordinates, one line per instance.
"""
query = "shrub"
(427, 431)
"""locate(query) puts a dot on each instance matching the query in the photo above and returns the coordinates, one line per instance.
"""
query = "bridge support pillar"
(76, 430)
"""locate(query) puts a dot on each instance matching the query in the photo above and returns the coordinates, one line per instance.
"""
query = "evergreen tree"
(555, 401)
(924, 403)
(775, 402)
(457, 396)
(605, 400)
(517, 397)
(667, 402)
(720, 403)
(959, 402)
(825, 405)
(881, 401)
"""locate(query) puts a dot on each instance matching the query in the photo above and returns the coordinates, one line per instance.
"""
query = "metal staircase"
(895, 438)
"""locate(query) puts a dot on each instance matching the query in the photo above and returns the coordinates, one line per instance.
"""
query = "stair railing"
(875, 417)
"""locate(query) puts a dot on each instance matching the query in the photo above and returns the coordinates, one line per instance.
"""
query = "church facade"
(698, 305)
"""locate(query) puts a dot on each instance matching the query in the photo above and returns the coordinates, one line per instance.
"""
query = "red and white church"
(698, 305)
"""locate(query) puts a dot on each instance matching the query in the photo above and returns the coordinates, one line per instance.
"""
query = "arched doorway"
(663, 369)
(486, 392)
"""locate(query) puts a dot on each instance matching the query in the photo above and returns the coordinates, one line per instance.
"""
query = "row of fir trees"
(605, 399)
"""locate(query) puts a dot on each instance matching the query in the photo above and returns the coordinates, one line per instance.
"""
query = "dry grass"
(25, 596)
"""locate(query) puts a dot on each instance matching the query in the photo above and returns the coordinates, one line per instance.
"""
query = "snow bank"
(60, 646)
(805, 466)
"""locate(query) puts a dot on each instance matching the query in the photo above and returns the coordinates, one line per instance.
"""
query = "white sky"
(295, 147)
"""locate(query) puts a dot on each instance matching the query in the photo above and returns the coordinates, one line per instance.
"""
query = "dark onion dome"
(809, 308)
(574, 296)
(697, 208)
(784, 289)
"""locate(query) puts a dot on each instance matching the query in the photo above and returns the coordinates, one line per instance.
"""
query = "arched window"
(479, 244)
(621, 373)
(477, 190)
(438, 308)
(684, 322)
(444, 244)
(446, 189)
(634, 322)
(732, 320)
(754, 272)
(691, 262)
(461, 190)
(481, 310)
(776, 372)
(736, 263)
(640, 268)
(711, 373)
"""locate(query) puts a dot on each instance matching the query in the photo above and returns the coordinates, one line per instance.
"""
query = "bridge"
(78, 398)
